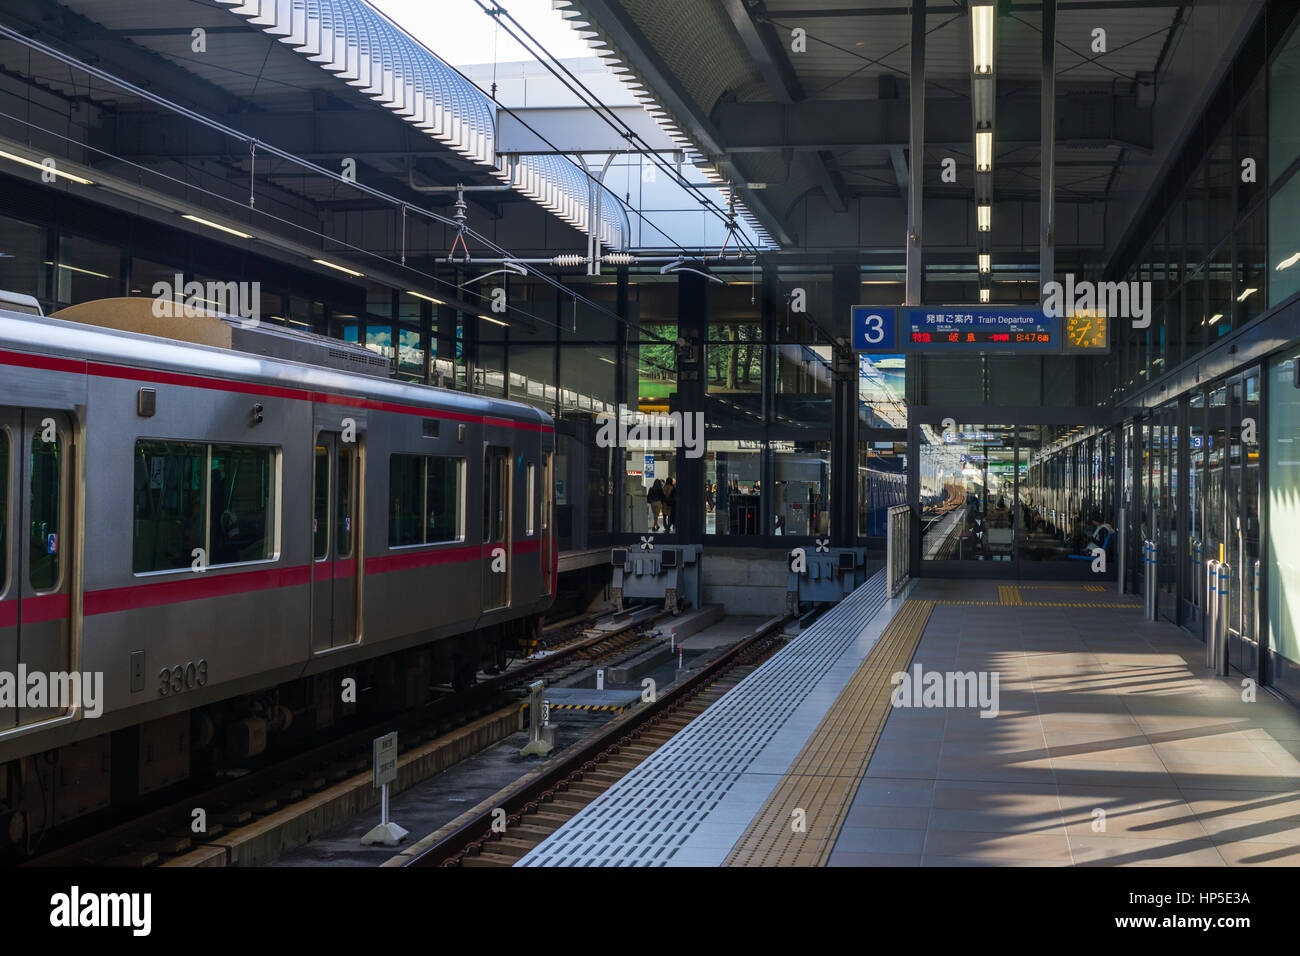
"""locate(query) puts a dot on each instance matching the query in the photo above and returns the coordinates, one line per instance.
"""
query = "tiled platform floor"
(1100, 711)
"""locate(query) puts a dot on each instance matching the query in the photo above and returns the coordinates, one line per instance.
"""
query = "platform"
(1108, 742)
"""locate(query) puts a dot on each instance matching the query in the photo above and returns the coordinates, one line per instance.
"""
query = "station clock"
(1086, 332)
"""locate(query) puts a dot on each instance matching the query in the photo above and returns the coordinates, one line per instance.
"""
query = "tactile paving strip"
(647, 817)
(820, 785)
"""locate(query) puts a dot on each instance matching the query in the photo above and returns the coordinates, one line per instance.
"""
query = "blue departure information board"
(957, 328)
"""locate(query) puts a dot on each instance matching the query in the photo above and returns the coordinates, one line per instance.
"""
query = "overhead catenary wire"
(260, 145)
(600, 108)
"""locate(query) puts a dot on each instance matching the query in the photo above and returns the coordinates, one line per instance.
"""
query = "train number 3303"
(182, 677)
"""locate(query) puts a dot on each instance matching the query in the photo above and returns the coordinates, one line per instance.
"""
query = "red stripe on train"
(204, 585)
(35, 610)
(102, 370)
(201, 585)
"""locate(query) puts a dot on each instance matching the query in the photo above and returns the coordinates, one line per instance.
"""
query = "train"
(245, 533)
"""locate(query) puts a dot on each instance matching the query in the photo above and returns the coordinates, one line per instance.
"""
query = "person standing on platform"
(670, 505)
(655, 498)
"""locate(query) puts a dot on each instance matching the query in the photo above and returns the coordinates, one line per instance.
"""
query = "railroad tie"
(824, 777)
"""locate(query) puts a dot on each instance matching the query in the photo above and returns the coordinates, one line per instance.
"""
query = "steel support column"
(692, 397)
(1047, 153)
(916, 154)
(845, 288)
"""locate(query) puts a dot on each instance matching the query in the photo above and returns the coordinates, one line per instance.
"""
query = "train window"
(189, 495)
(241, 516)
(170, 492)
(343, 529)
(320, 510)
(424, 500)
(405, 500)
(46, 510)
(4, 509)
(530, 494)
(443, 502)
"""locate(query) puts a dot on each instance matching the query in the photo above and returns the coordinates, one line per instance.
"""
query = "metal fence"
(898, 549)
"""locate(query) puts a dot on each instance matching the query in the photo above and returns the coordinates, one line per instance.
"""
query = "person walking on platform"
(656, 500)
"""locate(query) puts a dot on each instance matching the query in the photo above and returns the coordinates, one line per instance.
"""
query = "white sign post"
(387, 833)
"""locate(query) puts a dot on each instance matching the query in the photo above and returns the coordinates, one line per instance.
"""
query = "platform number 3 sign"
(873, 329)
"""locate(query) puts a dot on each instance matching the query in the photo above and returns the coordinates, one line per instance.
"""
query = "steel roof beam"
(624, 34)
(760, 40)
(1082, 119)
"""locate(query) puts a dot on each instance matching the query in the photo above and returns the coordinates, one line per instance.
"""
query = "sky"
(462, 34)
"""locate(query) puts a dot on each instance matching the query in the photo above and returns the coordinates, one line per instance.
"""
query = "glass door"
(1242, 509)
(1194, 554)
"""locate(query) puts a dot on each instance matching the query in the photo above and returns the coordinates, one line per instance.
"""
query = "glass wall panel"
(733, 487)
(801, 492)
(23, 266)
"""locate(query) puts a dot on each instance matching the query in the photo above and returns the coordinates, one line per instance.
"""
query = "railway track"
(167, 833)
(545, 802)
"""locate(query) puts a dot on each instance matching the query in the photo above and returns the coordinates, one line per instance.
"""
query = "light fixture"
(488, 318)
(426, 298)
(985, 217)
(1215, 318)
(45, 169)
(986, 261)
(84, 272)
(215, 225)
(984, 295)
(1289, 261)
(1246, 294)
(607, 360)
(984, 154)
(331, 265)
(981, 35)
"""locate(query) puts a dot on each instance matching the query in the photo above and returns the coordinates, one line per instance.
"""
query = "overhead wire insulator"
(618, 258)
(569, 259)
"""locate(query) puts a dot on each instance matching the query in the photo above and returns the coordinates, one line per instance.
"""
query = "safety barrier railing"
(898, 549)
(1217, 577)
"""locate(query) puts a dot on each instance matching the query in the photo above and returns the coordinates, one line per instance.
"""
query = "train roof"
(80, 341)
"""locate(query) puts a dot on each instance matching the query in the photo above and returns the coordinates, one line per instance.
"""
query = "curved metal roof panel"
(366, 50)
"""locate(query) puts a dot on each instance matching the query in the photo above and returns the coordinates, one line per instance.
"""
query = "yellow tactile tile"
(823, 778)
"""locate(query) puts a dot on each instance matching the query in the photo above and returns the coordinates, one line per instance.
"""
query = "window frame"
(274, 503)
(460, 509)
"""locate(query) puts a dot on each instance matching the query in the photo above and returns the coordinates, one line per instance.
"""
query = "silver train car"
(227, 535)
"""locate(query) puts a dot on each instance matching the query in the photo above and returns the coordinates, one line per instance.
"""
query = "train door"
(41, 474)
(548, 487)
(334, 541)
(496, 527)
(10, 474)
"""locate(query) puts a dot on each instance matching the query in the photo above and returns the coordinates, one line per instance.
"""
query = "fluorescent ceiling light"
(45, 169)
(215, 225)
(1289, 261)
(1246, 294)
(1215, 318)
(426, 298)
(609, 360)
(488, 318)
(981, 35)
(984, 295)
(984, 154)
(985, 261)
(84, 272)
(351, 272)
(985, 215)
